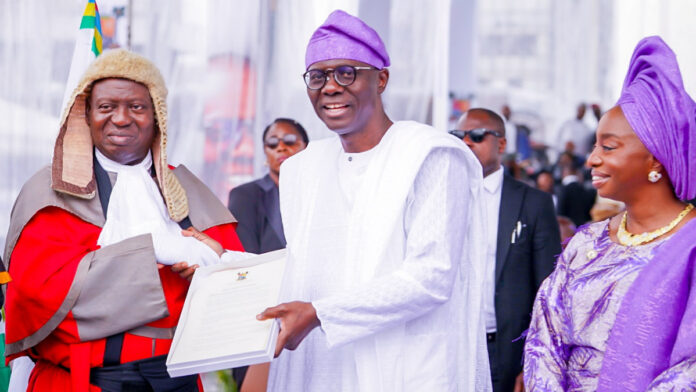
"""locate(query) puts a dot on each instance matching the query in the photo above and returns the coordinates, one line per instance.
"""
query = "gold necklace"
(628, 239)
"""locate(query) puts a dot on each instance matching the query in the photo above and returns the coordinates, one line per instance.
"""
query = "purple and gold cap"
(343, 36)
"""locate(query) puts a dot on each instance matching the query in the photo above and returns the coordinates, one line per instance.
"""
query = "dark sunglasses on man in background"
(475, 135)
(288, 140)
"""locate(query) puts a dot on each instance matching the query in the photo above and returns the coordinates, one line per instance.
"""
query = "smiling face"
(346, 109)
(277, 155)
(620, 162)
(121, 119)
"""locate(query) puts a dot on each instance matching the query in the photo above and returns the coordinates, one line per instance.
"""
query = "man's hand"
(183, 269)
(519, 383)
(297, 319)
(204, 238)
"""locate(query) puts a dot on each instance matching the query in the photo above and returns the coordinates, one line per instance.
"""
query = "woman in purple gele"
(619, 311)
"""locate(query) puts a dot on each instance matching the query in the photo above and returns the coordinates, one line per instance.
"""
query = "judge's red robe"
(68, 294)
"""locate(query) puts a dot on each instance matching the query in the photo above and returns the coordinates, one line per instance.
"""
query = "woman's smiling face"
(620, 162)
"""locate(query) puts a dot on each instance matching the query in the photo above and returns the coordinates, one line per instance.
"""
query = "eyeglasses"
(273, 141)
(344, 75)
(476, 135)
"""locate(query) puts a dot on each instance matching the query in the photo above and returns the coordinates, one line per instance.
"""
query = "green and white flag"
(88, 46)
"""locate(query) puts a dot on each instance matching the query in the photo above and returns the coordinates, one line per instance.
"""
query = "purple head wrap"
(343, 36)
(661, 113)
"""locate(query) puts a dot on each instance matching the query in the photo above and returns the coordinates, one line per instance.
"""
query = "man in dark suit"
(256, 204)
(574, 199)
(259, 225)
(523, 240)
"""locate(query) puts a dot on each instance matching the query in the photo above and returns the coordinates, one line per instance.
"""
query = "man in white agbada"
(383, 239)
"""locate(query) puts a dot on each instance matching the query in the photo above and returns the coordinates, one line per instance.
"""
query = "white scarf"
(136, 206)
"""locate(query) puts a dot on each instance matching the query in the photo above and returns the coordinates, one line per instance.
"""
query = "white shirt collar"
(115, 167)
(358, 158)
(493, 181)
(569, 179)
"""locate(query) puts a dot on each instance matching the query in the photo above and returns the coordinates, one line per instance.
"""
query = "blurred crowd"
(559, 168)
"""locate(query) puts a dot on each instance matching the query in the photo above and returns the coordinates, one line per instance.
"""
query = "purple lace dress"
(575, 310)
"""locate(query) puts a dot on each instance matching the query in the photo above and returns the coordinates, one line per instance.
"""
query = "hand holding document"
(297, 320)
(218, 328)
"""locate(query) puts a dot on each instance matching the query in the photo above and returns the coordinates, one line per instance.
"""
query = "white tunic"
(493, 190)
(383, 247)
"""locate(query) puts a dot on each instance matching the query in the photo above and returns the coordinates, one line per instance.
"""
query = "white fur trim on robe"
(406, 314)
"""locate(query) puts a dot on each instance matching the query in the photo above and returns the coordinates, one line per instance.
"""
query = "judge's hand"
(182, 268)
(204, 238)
(519, 383)
(297, 319)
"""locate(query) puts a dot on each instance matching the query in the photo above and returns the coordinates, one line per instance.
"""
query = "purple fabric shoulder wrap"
(656, 324)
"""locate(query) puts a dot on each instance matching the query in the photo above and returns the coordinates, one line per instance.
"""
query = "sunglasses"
(288, 140)
(475, 135)
(344, 75)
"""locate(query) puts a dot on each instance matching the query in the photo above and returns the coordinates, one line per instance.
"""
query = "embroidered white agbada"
(387, 245)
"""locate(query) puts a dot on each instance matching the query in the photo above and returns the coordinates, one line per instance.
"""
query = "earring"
(654, 176)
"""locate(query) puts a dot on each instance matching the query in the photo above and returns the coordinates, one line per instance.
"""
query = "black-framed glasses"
(288, 140)
(344, 75)
(475, 135)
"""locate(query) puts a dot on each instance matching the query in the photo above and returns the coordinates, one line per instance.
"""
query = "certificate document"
(218, 328)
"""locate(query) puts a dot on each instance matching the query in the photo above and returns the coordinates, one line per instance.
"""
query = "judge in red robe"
(99, 267)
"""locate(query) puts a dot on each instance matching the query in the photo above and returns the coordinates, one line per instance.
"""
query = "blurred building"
(543, 57)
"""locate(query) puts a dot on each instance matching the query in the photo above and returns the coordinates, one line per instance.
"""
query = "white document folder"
(218, 328)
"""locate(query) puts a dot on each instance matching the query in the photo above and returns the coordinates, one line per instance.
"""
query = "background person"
(545, 183)
(575, 201)
(522, 241)
(576, 131)
(256, 204)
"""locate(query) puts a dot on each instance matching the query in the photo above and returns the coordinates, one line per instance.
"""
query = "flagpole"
(130, 23)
